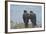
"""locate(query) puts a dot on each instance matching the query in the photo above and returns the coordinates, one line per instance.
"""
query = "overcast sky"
(16, 12)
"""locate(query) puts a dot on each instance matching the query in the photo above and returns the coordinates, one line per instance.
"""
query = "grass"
(15, 25)
(21, 25)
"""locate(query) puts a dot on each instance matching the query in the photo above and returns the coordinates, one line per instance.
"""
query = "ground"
(20, 25)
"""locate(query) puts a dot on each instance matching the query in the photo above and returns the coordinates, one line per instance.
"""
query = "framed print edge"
(6, 16)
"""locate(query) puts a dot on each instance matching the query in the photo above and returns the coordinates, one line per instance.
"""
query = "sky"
(16, 12)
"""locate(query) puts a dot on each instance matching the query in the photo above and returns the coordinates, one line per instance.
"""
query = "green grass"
(21, 25)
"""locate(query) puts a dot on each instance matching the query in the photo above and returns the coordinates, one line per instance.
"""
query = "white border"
(26, 29)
